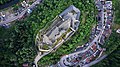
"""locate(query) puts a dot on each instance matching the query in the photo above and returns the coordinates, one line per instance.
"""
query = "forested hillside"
(17, 42)
(87, 19)
(4, 1)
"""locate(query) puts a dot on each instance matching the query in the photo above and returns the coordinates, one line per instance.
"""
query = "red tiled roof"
(87, 60)
(94, 47)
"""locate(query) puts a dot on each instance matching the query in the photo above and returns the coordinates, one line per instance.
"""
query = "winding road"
(70, 59)
(64, 61)
(95, 61)
(21, 14)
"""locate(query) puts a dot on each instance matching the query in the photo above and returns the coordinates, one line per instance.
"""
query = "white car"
(118, 31)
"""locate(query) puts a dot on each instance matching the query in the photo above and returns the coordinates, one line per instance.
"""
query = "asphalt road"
(95, 40)
(95, 61)
(20, 15)
(64, 57)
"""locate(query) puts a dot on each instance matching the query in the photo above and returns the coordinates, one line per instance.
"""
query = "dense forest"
(4, 1)
(17, 42)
